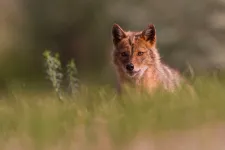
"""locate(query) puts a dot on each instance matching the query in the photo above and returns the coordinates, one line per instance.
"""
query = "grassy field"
(99, 119)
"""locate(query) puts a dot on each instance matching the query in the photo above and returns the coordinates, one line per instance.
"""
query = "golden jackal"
(137, 60)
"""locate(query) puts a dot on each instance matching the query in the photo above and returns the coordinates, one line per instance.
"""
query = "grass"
(98, 118)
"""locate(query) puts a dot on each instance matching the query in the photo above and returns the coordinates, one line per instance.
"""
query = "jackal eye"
(140, 53)
(124, 54)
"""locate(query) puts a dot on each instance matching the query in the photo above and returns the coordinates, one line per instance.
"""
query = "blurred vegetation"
(55, 73)
(188, 32)
(97, 116)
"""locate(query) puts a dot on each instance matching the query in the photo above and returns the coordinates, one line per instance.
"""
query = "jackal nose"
(130, 67)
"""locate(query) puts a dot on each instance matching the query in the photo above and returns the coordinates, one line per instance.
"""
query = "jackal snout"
(130, 67)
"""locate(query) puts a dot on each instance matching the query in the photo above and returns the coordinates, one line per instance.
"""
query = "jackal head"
(134, 52)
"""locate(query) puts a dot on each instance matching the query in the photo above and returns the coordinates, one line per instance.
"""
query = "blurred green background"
(188, 31)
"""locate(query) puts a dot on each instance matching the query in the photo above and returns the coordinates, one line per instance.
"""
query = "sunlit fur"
(139, 48)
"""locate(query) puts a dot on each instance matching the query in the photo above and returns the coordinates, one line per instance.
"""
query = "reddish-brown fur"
(139, 49)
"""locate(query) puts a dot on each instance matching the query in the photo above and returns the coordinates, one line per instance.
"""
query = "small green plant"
(71, 77)
(55, 75)
(53, 70)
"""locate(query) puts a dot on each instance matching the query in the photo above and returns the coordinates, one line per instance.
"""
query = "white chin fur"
(142, 71)
(139, 73)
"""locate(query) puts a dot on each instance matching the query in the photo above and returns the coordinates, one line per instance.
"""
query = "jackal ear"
(149, 34)
(117, 33)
